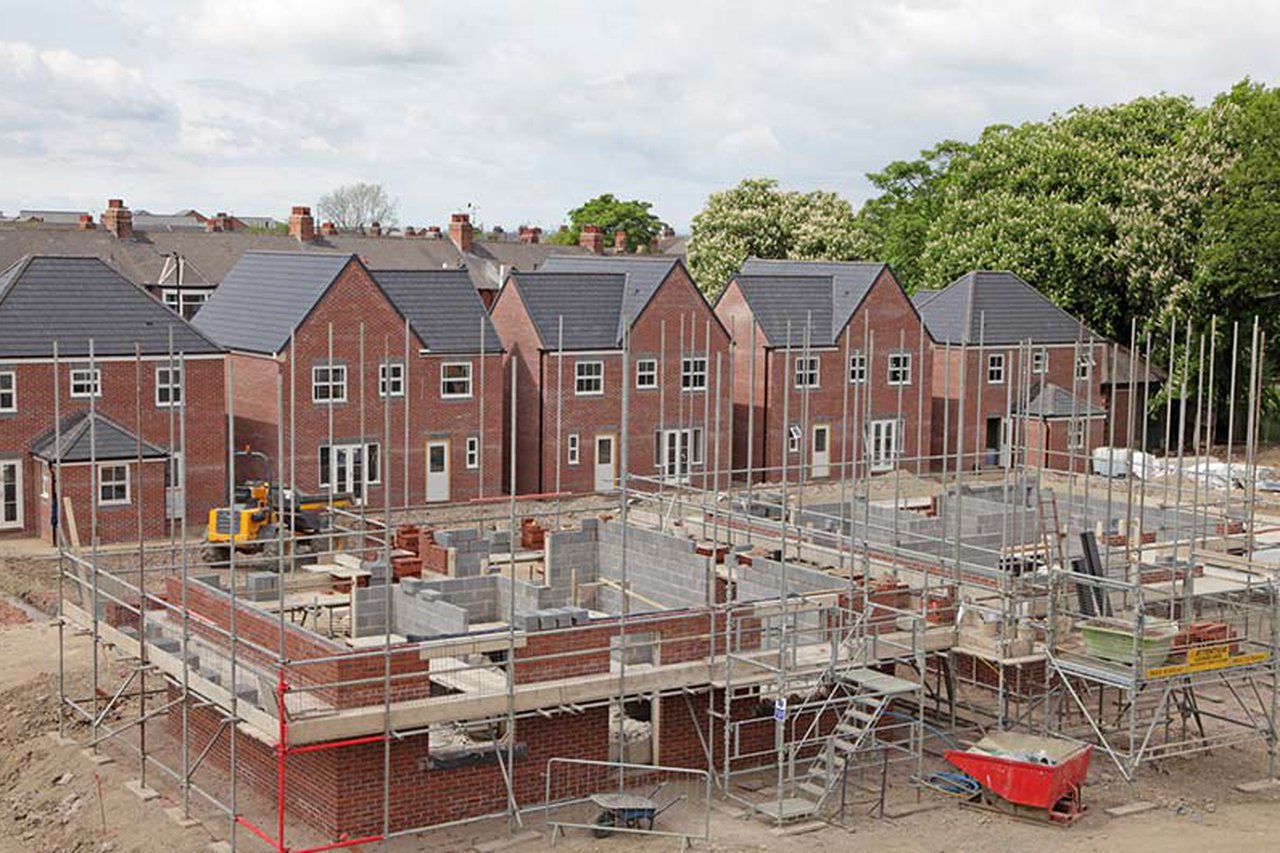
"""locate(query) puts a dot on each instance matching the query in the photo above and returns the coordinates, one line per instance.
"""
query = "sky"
(520, 111)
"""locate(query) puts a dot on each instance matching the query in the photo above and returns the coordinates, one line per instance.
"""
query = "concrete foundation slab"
(142, 792)
(99, 758)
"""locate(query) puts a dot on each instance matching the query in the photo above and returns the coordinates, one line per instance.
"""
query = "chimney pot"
(115, 203)
(619, 241)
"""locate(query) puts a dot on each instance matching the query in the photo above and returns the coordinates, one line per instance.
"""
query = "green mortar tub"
(1112, 639)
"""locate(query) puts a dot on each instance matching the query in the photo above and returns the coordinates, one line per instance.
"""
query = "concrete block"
(547, 620)
(142, 792)
(410, 586)
(174, 813)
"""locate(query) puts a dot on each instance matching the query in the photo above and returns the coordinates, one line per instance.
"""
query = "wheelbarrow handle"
(655, 791)
(669, 805)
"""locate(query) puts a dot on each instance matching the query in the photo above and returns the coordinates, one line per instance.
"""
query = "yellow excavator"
(260, 511)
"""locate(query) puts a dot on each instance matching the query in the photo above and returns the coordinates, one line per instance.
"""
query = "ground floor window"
(113, 484)
(10, 493)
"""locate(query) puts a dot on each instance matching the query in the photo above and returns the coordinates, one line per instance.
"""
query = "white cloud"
(527, 111)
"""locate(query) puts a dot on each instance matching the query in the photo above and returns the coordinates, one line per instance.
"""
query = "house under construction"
(424, 666)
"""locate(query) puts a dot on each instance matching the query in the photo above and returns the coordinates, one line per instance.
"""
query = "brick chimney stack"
(118, 219)
(328, 229)
(301, 225)
(591, 239)
(530, 234)
(620, 242)
(375, 230)
(212, 225)
(461, 232)
(85, 222)
(432, 232)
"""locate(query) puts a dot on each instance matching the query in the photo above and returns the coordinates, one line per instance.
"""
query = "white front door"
(10, 493)
(882, 444)
(606, 470)
(437, 471)
(173, 491)
(821, 450)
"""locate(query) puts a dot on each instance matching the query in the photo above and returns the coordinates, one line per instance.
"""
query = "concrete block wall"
(470, 550)
(369, 610)
(661, 567)
(571, 553)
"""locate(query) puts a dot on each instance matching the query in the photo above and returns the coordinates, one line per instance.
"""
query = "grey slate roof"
(850, 282)
(1047, 400)
(590, 303)
(72, 300)
(998, 308)
(265, 296)
(442, 307)
(799, 300)
(210, 256)
(107, 441)
(645, 274)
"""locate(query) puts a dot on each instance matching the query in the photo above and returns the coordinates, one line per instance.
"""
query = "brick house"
(569, 403)
(430, 354)
(120, 404)
(1023, 364)
(839, 347)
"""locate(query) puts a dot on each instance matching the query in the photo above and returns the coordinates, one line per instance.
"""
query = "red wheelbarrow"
(1040, 773)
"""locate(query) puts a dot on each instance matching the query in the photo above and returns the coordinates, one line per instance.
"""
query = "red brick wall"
(206, 436)
(539, 399)
(985, 400)
(894, 325)
(353, 299)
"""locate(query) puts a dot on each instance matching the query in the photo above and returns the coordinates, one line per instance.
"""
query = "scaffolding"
(848, 618)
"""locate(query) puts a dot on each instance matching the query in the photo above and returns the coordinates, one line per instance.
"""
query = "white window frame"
(446, 380)
(995, 368)
(899, 363)
(18, 520)
(193, 298)
(393, 371)
(114, 484)
(46, 479)
(168, 386)
(328, 383)
(806, 372)
(8, 391)
(473, 452)
(1084, 366)
(693, 374)
(1040, 360)
(857, 368)
(89, 381)
(579, 378)
(794, 436)
(1076, 431)
(646, 374)
(574, 448)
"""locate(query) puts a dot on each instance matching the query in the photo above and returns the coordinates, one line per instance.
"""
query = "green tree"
(755, 218)
(612, 215)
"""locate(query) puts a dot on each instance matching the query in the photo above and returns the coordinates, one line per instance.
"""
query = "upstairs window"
(455, 380)
(329, 383)
(807, 372)
(391, 379)
(1040, 361)
(86, 382)
(1084, 367)
(995, 368)
(168, 386)
(857, 368)
(693, 374)
(646, 373)
(899, 368)
(8, 392)
(588, 378)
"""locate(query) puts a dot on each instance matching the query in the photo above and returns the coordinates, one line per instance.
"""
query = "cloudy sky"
(524, 109)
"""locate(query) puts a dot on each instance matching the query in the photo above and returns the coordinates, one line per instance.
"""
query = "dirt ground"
(55, 799)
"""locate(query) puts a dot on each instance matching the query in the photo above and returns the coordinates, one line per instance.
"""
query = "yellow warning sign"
(1204, 660)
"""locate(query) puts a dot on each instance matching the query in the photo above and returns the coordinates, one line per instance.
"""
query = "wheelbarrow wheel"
(605, 822)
